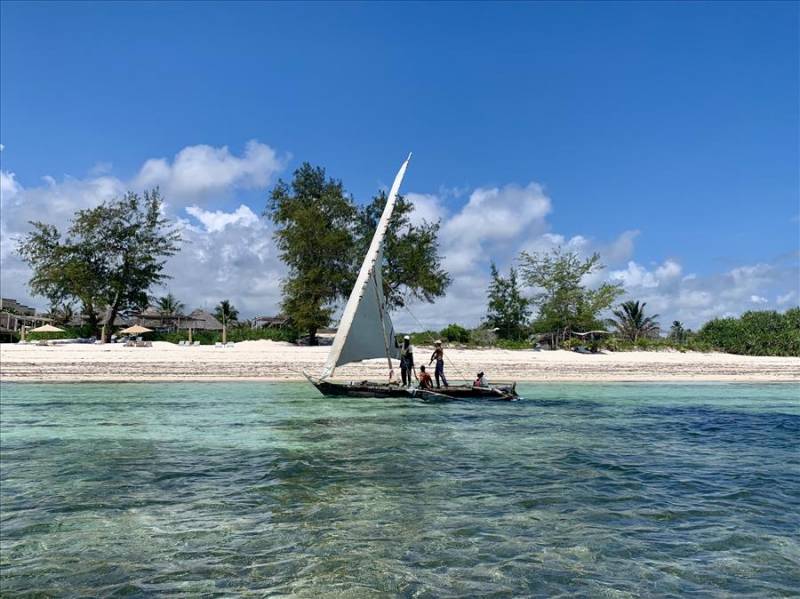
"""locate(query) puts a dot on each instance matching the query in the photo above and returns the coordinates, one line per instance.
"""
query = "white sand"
(267, 360)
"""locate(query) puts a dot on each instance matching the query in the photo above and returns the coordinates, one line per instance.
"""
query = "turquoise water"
(271, 490)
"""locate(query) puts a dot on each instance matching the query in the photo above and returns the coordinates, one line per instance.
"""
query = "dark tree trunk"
(112, 316)
(91, 320)
(312, 336)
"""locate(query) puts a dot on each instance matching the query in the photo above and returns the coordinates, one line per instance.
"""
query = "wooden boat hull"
(374, 389)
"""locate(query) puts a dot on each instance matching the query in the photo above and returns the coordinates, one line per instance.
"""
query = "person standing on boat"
(425, 381)
(438, 355)
(407, 362)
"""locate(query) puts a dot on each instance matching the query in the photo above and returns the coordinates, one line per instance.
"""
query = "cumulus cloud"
(427, 208)
(225, 254)
(695, 299)
(230, 256)
(200, 173)
(217, 220)
(491, 224)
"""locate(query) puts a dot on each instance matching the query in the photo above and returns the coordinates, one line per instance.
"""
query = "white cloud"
(758, 299)
(785, 298)
(621, 249)
(634, 276)
(218, 220)
(231, 254)
(427, 207)
(8, 185)
(199, 173)
(498, 213)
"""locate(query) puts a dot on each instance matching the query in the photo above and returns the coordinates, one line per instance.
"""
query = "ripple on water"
(602, 490)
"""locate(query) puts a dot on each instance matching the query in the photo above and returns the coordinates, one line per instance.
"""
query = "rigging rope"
(450, 362)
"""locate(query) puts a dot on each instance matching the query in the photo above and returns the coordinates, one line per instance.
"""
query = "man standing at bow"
(407, 362)
(438, 355)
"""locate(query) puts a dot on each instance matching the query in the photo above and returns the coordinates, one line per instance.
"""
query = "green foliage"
(411, 262)
(508, 310)
(420, 338)
(632, 324)
(235, 334)
(678, 333)
(323, 237)
(226, 313)
(112, 255)
(169, 305)
(761, 333)
(483, 337)
(314, 233)
(513, 344)
(455, 333)
(565, 304)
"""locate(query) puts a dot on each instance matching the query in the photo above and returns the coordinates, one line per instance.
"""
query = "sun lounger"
(196, 343)
(183, 342)
(230, 344)
(218, 344)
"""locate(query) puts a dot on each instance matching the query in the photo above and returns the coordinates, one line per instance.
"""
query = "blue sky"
(679, 121)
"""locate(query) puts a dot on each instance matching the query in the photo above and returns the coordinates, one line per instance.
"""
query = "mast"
(363, 307)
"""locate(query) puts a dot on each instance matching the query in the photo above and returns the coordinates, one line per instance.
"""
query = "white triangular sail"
(365, 329)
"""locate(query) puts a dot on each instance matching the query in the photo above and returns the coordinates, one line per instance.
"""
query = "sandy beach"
(276, 361)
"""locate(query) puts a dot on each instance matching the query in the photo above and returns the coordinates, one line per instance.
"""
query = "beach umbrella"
(47, 328)
(136, 329)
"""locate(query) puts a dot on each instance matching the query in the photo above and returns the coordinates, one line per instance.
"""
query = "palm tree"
(631, 323)
(225, 313)
(677, 332)
(169, 305)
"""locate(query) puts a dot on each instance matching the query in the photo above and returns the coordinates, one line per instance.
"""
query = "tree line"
(112, 255)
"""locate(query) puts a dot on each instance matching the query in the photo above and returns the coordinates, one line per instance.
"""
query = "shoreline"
(268, 361)
(274, 381)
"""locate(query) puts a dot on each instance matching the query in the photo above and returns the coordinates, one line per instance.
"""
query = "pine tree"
(508, 310)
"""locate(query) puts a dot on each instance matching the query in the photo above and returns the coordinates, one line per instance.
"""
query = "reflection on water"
(645, 490)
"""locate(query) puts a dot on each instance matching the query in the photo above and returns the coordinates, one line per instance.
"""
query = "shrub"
(455, 333)
(235, 334)
(756, 333)
(483, 337)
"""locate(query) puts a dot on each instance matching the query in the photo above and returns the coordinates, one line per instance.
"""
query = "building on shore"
(200, 320)
(14, 316)
(12, 306)
(271, 322)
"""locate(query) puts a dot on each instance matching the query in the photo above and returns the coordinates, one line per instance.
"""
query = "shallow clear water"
(269, 489)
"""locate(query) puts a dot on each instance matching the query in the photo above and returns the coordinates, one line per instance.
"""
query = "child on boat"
(481, 381)
(425, 381)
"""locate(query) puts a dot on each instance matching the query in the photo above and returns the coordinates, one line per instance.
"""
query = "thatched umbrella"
(47, 328)
(136, 329)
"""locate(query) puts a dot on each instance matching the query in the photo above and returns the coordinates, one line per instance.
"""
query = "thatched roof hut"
(202, 321)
